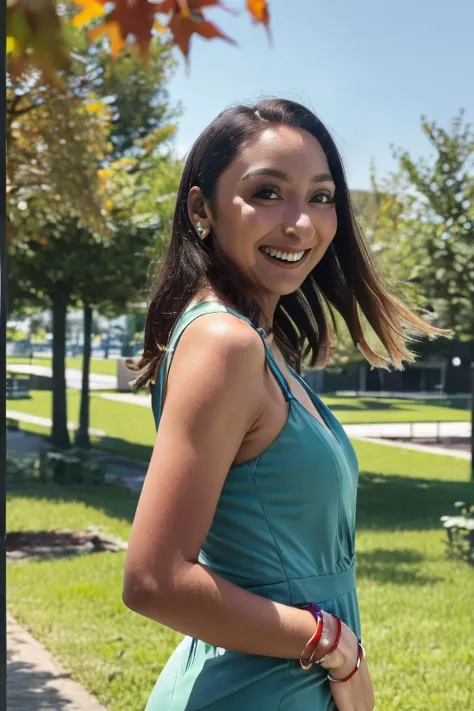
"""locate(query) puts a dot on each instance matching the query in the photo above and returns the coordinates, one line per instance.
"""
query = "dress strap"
(192, 312)
(279, 377)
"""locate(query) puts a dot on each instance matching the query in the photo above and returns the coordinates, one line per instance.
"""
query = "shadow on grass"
(399, 567)
(392, 503)
(364, 405)
(385, 503)
(123, 448)
(112, 499)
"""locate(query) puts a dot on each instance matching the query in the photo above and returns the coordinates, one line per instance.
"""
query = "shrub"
(13, 424)
(460, 532)
(71, 467)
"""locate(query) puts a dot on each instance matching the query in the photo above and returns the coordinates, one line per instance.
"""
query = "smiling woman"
(257, 167)
(244, 535)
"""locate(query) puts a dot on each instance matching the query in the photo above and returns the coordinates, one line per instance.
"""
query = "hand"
(357, 693)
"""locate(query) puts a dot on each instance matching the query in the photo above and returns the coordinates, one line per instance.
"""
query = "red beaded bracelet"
(308, 651)
(360, 657)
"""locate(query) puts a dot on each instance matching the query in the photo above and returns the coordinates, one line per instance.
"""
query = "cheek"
(251, 222)
(258, 221)
(326, 224)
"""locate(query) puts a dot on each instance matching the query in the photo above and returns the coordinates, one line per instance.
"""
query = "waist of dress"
(316, 588)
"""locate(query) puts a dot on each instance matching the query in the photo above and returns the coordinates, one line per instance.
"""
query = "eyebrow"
(275, 173)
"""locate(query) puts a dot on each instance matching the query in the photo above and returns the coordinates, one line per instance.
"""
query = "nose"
(300, 225)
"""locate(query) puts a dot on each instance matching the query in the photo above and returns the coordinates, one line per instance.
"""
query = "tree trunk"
(82, 434)
(60, 434)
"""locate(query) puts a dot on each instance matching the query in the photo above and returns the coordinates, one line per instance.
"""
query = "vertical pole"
(3, 363)
(472, 420)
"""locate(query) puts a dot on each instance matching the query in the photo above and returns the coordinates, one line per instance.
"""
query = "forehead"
(291, 150)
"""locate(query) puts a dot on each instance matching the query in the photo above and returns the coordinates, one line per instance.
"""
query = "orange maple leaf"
(187, 19)
(260, 13)
(129, 17)
(90, 9)
(186, 6)
(114, 32)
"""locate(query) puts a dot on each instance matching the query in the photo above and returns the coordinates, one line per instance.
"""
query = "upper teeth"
(288, 256)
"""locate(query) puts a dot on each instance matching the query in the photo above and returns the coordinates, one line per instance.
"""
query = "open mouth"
(284, 257)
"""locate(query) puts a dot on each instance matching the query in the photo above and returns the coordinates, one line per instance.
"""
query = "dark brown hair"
(344, 281)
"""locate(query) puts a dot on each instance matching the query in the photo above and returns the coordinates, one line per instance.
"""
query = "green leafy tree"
(52, 235)
(422, 231)
(45, 214)
(443, 208)
(444, 205)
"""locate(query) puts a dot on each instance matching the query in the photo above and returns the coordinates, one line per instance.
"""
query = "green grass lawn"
(101, 366)
(365, 409)
(416, 606)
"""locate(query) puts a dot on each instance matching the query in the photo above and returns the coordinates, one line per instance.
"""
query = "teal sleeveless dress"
(284, 529)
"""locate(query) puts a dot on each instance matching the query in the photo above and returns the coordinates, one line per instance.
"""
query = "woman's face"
(274, 214)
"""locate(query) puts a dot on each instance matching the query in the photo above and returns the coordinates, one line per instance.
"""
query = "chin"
(277, 290)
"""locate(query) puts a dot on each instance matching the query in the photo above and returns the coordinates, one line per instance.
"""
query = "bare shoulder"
(221, 342)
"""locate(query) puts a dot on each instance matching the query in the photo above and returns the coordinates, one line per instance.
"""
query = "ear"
(199, 212)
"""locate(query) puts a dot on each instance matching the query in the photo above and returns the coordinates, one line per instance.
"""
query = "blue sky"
(368, 68)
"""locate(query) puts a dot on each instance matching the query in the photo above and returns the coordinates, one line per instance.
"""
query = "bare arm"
(212, 400)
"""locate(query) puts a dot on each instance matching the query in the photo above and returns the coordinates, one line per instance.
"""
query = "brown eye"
(269, 192)
(323, 199)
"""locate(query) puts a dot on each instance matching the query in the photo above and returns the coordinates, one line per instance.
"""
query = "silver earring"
(200, 229)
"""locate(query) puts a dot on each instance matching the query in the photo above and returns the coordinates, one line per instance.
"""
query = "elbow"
(142, 595)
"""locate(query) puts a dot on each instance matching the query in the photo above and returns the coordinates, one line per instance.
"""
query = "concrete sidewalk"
(435, 449)
(73, 376)
(46, 422)
(409, 429)
(36, 682)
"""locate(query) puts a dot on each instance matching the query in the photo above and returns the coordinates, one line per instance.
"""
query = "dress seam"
(277, 548)
(285, 684)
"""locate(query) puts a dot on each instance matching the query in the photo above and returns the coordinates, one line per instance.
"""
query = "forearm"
(203, 605)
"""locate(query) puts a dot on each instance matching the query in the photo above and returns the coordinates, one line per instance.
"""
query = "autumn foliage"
(36, 33)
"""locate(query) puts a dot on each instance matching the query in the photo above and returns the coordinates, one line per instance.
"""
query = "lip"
(285, 265)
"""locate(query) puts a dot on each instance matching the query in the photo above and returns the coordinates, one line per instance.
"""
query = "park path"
(46, 422)
(73, 376)
(36, 682)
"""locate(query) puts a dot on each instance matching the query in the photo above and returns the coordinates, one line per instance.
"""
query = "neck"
(269, 305)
